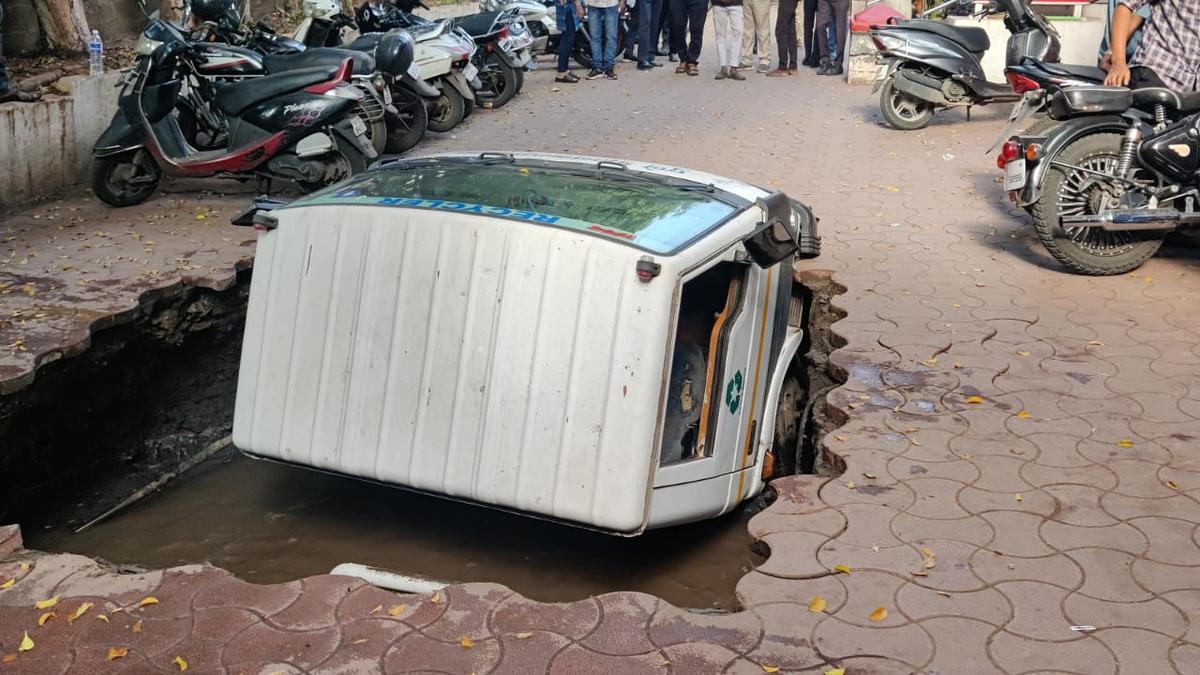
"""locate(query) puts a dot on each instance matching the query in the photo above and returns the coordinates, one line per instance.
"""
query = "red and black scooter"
(298, 126)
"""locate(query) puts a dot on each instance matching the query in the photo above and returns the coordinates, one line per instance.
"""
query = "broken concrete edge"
(10, 540)
(144, 302)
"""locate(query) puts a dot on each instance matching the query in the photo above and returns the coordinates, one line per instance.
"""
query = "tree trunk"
(64, 24)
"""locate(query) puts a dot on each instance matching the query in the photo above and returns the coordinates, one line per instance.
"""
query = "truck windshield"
(660, 217)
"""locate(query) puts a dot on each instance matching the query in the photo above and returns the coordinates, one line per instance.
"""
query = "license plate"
(470, 71)
(359, 126)
(1020, 112)
(414, 71)
(1014, 175)
(881, 72)
(387, 95)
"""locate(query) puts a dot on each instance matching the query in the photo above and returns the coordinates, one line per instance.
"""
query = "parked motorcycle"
(1119, 171)
(298, 126)
(929, 65)
(542, 19)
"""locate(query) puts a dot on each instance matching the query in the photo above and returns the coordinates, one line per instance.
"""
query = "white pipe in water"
(392, 581)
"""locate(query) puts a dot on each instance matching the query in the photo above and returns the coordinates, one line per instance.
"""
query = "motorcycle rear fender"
(346, 131)
(1059, 137)
(119, 137)
(934, 51)
(457, 80)
(421, 87)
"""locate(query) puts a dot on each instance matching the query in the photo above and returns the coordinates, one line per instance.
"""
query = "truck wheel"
(126, 179)
(1088, 250)
(902, 111)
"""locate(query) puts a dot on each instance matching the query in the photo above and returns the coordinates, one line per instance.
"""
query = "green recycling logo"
(733, 392)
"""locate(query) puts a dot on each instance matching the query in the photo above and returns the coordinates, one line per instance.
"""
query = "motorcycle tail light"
(1033, 152)
(1008, 153)
(1020, 83)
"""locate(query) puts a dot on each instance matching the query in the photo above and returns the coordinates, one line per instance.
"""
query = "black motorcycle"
(298, 126)
(1118, 171)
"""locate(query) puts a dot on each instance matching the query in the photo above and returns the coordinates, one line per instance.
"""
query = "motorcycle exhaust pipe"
(1124, 220)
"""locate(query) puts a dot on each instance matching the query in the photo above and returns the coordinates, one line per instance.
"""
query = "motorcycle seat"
(363, 63)
(1150, 96)
(971, 38)
(233, 98)
(1090, 73)
(477, 24)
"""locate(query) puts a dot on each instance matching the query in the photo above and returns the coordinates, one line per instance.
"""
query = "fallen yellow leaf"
(8, 584)
(769, 669)
(360, 641)
(397, 610)
(79, 611)
(890, 188)
(150, 600)
(25, 567)
(878, 615)
(869, 475)
(46, 617)
(523, 636)
(376, 610)
(841, 438)
(1024, 414)
(47, 604)
(1125, 443)
(1173, 485)
(102, 617)
(836, 671)
(1018, 498)
(849, 485)
(9, 658)
(817, 604)
(466, 643)
(183, 665)
(1095, 343)
(26, 643)
(844, 569)
(115, 653)
(931, 362)
(437, 598)
(957, 364)
(1023, 353)
(975, 399)
(919, 574)
(137, 626)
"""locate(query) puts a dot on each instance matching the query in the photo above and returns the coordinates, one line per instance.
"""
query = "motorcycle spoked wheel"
(345, 161)
(125, 179)
(447, 110)
(499, 82)
(902, 111)
(407, 126)
(377, 131)
(1069, 191)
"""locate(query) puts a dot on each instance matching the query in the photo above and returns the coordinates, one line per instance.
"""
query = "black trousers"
(3, 73)
(785, 34)
(835, 11)
(662, 23)
(692, 14)
(810, 35)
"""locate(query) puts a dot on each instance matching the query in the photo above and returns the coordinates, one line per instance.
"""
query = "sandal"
(693, 69)
(568, 77)
(681, 69)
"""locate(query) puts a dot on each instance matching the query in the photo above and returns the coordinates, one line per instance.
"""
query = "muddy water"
(269, 523)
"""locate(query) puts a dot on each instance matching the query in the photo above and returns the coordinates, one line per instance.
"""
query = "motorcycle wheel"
(499, 82)
(344, 162)
(1065, 191)
(902, 111)
(407, 126)
(125, 179)
(520, 80)
(447, 110)
(581, 51)
(377, 131)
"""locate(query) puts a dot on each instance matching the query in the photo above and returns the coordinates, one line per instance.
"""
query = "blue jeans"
(647, 13)
(602, 24)
(566, 44)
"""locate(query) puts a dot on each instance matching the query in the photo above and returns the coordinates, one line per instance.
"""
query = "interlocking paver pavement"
(1023, 445)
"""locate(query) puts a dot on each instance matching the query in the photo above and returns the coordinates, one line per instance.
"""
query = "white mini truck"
(610, 344)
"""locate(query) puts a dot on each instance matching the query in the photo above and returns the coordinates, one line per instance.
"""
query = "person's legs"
(747, 46)
(697, 16)
(566, 43)
(785, 27)
(646, 43)
(610, 39)
(824, 15)
(720, 17)
(762, 30)
(736, 19)
(840, 18)
(678, 30)
(810, 37)
(595, 31)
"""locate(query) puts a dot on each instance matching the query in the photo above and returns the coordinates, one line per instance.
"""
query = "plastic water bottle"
(96, 54)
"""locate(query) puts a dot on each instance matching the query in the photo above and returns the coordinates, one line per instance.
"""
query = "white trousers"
(727, 24)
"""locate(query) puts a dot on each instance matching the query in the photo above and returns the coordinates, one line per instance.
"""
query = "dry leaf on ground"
(817, 604)
(396, 610)
(466, 643)
(181, 663)
(115, 653)
(46, 604)
(149, 600)
(26, 643)
(844, 569)
(975, 399)
(878, 615)
(46, 617)
(79, 611)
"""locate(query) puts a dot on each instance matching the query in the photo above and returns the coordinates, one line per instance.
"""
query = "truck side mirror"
(258, 215)
(773, 240)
